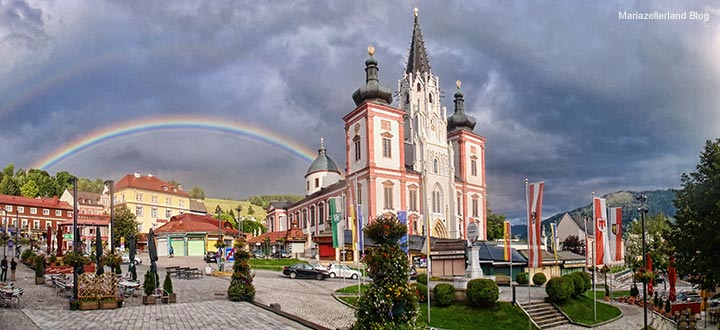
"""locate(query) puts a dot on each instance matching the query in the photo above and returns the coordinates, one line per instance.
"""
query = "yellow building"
(153, 201)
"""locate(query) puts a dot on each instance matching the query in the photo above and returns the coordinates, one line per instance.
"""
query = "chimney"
(55, 201)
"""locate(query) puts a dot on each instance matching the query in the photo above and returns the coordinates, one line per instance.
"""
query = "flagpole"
(427, 236)
(527, 209)
(593, 259)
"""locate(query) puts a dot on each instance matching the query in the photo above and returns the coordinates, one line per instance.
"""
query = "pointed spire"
(459, 120)
(372, 89)
(417, 59)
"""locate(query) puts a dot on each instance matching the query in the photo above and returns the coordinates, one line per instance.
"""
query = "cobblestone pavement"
(199, 303)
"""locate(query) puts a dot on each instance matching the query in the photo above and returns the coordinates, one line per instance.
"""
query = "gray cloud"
(564, 92)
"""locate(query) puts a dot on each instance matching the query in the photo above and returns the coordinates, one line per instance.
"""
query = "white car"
(126, 259)
(342, 271)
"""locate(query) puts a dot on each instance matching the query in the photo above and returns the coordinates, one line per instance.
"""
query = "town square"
(359, 165)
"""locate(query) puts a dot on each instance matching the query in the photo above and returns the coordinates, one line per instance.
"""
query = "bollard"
(276, 307)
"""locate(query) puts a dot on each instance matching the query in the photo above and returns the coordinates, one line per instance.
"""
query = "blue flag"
(402, 218)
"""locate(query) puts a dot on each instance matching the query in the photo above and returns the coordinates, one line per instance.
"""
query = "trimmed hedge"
(422, 278)
(444, 294)
(482, 292)
(539, 279)
(523, 278)
(578, 284)
(559, 289)
(586, 280)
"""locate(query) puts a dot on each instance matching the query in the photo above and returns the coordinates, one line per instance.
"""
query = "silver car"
(342, 271)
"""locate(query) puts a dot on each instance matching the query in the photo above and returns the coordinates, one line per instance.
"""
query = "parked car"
(304, 271)
(210, 257)
(126, 259)
(281, 254)
(342, 271)
(257, 254)
(318, 266)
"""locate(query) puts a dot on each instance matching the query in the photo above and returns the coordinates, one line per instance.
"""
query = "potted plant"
(149, 289)
(74, 304)
(75, 259)
(168, 287)
(108, 303)
(120, 300)
(88, 303)
(39, 270)
(52, 260)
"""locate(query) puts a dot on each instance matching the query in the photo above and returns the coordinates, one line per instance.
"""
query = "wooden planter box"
(172, 298)
(111, 304)
(148, 300)
(39, 280)
(89, 305)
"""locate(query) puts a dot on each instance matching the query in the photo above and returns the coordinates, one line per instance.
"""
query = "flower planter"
(119, 303)
(108, 304)
(172, 298)
(148, 300)
(88, 305)
(74, 306)
(39, 280)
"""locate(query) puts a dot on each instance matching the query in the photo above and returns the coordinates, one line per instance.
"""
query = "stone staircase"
(545, 315)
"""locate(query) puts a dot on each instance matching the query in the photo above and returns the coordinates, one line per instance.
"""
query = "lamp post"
(218, 210)
(242, 229)
(111, 183)
(76, 239)
(643, 210)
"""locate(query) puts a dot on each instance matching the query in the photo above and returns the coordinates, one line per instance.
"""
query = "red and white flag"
(602, 247)
(534, 192)
(616, 247)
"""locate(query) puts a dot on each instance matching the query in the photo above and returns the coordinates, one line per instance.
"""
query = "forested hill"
(658, 201)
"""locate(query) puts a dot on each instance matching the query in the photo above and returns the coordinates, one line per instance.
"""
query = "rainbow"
(106, 134)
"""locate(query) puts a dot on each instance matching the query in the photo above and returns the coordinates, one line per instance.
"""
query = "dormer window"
(165, 188)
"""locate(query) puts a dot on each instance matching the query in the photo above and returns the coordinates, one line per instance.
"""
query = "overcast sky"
(564, 92)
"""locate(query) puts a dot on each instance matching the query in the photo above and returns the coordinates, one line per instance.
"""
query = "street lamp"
(218, 210)
(76, 238)
(242, 229)
(111, 183)
(643, 210)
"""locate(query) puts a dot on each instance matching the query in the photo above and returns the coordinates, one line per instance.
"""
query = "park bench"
(180, 272)
(194, 272)
(171, 270)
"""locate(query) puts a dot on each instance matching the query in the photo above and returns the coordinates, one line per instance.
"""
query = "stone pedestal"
(473, 269)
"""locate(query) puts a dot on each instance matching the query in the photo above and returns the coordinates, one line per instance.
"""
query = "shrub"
(422, 278)
(482, 292)
(539, 279)
(39, 266)
(444, 294)
(586, 280)
(27, 254)
(559, 289)
(634, 290)
(149, 283)
(523, 278)
(52, 259)
(241, 287)
(167, 284)
(577, 282)
(422, 291)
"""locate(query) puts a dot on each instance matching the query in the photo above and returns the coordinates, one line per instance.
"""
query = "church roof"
(322, 163)
(459, 120)
(372, 90)
(417, 59)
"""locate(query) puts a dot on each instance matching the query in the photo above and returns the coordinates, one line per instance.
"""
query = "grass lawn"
(353, 289)
(580, 310)
(272, 264)
(350, 300)
(503, 315)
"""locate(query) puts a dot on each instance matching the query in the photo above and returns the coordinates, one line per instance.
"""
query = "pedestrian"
(17, 251)
(4, 267)
(172, 251)
(13, 267)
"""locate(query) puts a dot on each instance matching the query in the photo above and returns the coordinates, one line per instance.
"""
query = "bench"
(171, 270)
(180, 271)
(195, 272)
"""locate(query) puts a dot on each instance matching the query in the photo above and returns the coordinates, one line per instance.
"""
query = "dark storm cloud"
(564, 92)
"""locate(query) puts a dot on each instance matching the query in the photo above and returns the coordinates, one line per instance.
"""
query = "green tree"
(8, 186)
(241, 287)
(574, 244)
(63, 180)
(124, 224)
(9, 170)
(197, 193)
(30, 189)
(656, 232)
(239, 209)
(495, 225)
(696, 233)
(250, 210)
(174, 183)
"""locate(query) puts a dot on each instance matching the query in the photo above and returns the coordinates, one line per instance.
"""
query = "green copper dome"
(323, 162)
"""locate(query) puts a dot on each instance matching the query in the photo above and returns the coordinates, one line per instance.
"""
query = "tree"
(656, 230)
(30, 189)
(695, 235)
(573, 244)
(174, 183)
(197, 193)
(494, 225)
(8, 186)
(250, 210)
(124, 224)
(239, 209)
(241, 287)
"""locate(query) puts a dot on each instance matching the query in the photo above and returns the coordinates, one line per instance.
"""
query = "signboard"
(68, 236)
(230, 254)
(472, 232)
(10, 243)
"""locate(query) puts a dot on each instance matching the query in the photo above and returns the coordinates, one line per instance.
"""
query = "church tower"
(426, 145)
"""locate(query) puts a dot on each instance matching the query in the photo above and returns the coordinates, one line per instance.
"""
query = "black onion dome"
(323, 162)
(372, 91)
(459, 120)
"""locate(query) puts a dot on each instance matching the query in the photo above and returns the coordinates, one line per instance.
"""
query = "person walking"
(4, 267)
(172, 251)
(13, 267)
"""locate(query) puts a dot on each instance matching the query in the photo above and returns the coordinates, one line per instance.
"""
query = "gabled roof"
(194, 223)
(149, 182)
(294, 234)
(53, 203)
(579, 223)
(278, 205)
(87, 198)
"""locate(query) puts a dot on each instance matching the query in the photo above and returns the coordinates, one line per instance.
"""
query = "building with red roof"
(31, 217)
(192, 235)
(153, 200)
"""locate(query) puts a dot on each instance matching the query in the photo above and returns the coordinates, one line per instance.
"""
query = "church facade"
(410, 157)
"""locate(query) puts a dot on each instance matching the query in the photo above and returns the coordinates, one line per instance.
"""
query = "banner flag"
(507, 232)
(602, 248)
(360, 228)
(534, 192)
(335, 219)
(402, 218)
(616, 246)
(553, 234)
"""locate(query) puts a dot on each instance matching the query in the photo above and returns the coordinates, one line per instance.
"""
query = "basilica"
(408, 156)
